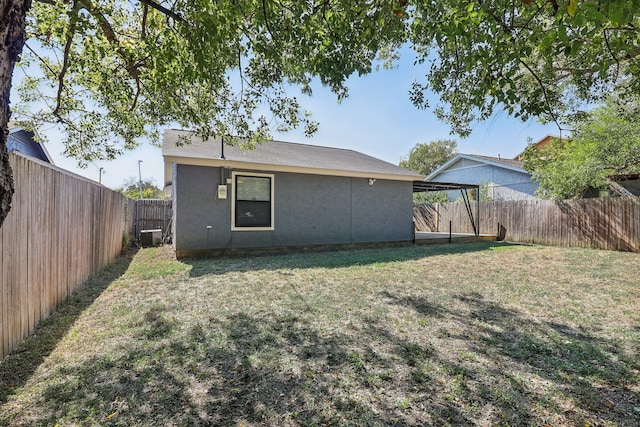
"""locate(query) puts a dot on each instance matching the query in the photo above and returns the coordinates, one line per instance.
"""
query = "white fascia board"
(234, 164)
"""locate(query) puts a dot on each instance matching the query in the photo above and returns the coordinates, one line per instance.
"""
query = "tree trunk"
(12, 37)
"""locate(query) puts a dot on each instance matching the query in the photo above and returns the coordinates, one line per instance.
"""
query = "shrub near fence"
(61, 229)
(609, 223)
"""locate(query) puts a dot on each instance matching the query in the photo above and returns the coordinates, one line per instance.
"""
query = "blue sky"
(377, 119)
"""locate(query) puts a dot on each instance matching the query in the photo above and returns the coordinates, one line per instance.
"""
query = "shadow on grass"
(21, 363)
(331, 259)
(483, 364)
(193, 381)
(536, 367)
(278, 370)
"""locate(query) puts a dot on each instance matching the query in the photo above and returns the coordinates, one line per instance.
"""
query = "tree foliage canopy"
(535, 58)
(427, 157)
(604, 144)
(112, 72)
(131, 188)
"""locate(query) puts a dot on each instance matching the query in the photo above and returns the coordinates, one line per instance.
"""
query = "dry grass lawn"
(478, 334)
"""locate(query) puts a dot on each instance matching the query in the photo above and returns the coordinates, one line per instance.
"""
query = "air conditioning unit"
(150, 238)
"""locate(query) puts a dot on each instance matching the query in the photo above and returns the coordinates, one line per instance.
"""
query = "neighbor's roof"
(542, 143)
(278, 156)
(510, 164)
(24, 141)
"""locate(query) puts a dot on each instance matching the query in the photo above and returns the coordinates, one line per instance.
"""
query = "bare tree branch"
(266, 19)
(145, 11)
(544, 92)
(40, 58)
(168, 12)
(73, 18)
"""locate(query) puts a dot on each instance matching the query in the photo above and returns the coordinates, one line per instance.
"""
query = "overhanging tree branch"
(168, 12)
(73, 20)
(544, 92)
(145, 11)
(42, 60)
(131, 66)
(266, 19)
(165, 11)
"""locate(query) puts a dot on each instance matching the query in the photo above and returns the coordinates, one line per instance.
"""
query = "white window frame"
(234, 174)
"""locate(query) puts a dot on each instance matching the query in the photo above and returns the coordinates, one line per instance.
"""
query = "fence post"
(137, 229)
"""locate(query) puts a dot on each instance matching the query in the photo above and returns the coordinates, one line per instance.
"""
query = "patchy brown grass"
(476, 334)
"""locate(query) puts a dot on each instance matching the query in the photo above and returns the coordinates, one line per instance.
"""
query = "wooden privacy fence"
(130, 218)
(152, 214)
(609, 223)
(61, 229)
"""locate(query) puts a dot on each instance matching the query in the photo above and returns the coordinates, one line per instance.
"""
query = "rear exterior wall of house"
(308, 210)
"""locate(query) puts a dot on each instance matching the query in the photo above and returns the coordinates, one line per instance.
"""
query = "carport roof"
(424, 186)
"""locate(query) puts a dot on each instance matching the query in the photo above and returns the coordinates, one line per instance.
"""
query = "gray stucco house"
(281, 195)
(505, 178)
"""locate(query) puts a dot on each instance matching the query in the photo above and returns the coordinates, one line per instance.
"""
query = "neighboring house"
(621, 185)
(542, 143)
(282, 195)
(505, 178)
(23, 141)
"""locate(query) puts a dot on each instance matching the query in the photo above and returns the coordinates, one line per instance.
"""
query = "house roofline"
(267, 167)
(459, 156)
(548, 136)
(13, 128)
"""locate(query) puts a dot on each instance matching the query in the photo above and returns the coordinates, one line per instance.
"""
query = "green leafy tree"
(430, 197)
(118, 70)
(605, 144)
(533, 58)
(425, 158)
(110, 73)
(485, 192)
(131, 189)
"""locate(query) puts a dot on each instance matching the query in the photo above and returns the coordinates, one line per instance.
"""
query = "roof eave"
(236, 164)
(443, 167)
(37, 140)
(476, 159)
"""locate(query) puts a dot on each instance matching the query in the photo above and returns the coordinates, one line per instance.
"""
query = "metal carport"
(426, 186)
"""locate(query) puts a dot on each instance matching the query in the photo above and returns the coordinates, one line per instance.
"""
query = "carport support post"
(478, 214)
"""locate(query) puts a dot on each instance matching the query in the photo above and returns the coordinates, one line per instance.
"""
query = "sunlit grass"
(485, 334)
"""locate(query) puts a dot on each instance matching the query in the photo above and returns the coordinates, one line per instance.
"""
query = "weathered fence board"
(61, 229)
(610, 223)
(152, 214)
(130, 218)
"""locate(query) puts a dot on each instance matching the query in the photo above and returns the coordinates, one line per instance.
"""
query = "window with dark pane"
(253, 201)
